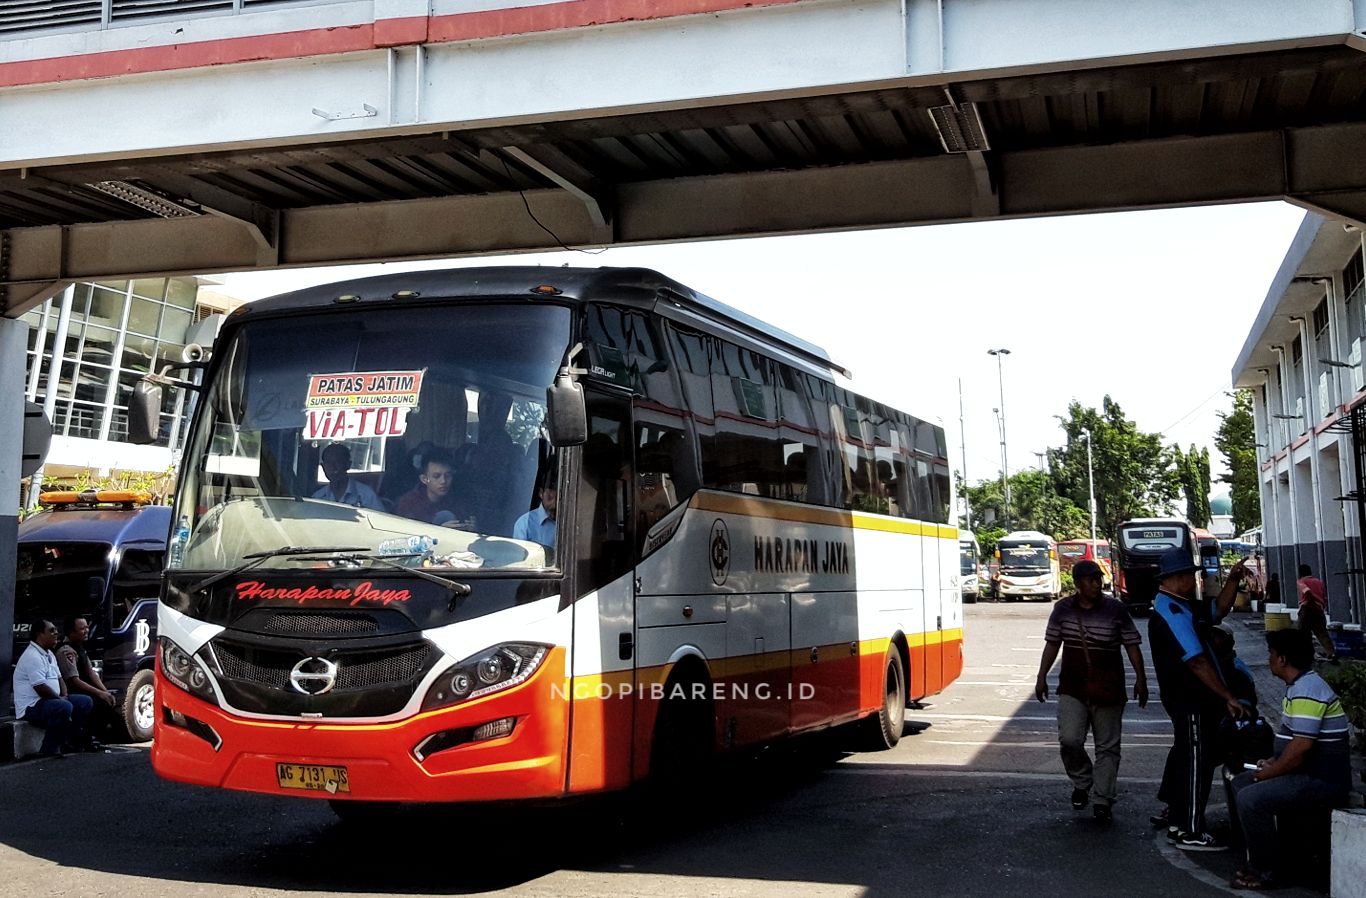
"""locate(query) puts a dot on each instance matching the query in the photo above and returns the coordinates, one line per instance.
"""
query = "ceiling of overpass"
(1006, 147)
(1212, 96)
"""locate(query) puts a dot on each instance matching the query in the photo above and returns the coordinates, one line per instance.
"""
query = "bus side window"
(691, 360)
(803, 468)
(137, 577)
(749, 455)
(603, 500)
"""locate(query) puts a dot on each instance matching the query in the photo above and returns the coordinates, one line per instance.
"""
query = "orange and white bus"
(1070, 551)
(741, 548)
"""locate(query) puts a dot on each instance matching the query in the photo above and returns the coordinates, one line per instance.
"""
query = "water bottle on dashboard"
(182, 536)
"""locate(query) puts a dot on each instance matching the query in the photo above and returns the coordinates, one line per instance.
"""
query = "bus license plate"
(313, 778)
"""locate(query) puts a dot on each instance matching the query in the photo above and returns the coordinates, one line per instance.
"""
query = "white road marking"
(995, 718)
(998, 743)
(888, 768)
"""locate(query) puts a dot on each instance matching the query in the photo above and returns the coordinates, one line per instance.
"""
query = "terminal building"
(90, 344)
(1302, 361)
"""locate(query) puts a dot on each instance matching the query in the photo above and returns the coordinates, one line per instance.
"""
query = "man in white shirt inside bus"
(341, 486)
(538, 525)
(40, 696)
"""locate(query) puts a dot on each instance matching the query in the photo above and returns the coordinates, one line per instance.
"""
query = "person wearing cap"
(1194, 694)
(1090, 629)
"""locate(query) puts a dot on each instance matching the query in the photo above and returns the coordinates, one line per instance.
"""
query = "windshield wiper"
(457, 589)
(256, 558)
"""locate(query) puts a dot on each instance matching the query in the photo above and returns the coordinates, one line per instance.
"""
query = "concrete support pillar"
(13, 345)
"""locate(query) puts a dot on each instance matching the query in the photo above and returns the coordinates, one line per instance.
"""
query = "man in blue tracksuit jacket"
(1194, 694)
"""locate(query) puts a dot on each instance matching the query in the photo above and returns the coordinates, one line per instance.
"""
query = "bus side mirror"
(566, 414)
(95, 588)
(144, 412)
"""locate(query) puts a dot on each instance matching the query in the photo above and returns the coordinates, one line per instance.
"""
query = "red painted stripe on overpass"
(352, 38)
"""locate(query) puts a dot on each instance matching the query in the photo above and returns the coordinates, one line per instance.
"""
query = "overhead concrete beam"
(1316, 167)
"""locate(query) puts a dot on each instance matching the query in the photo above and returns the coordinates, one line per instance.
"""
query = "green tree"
(1034, 505)
(1136, 476)
(1193, 467)
(1236, 441)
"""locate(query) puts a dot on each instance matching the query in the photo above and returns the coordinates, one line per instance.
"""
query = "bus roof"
(149, 523)
(1030, 535)
(636, 287)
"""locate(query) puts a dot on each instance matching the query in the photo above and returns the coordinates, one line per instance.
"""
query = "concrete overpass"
(144, 137)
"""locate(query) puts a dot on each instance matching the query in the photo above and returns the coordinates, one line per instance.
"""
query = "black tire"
(683, 745)
(364, 813)
(139, 708)
(969, 598)
(881, 731)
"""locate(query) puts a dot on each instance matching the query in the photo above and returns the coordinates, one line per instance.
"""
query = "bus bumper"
(383, 761)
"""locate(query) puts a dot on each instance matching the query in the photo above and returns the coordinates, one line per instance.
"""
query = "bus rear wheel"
(881, 731)
(139, 708)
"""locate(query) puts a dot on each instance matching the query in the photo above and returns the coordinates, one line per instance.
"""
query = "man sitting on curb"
(1311, 769)
(40, 694)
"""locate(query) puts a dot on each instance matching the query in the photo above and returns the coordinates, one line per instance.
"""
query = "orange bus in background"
(1098, 550)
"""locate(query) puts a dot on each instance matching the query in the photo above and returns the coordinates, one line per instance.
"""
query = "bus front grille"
(356, 668)
(286, 623)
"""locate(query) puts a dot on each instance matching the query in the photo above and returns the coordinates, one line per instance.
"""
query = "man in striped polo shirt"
(1311, 769)
(1091, 630)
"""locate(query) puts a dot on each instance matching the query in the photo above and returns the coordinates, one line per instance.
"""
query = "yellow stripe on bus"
(757, 507)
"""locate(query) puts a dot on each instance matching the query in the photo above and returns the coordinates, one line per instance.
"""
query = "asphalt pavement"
(972, 802)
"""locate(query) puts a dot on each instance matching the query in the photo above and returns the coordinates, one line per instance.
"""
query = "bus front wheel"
(685, 732)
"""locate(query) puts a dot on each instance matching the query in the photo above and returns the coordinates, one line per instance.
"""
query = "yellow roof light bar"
(95, 497)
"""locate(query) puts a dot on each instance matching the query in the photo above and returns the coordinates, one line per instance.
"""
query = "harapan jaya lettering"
(366, 592)
(780, 555)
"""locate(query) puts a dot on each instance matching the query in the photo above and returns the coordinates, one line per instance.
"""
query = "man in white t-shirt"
(40, 693)
(538, 525)
(341, 486)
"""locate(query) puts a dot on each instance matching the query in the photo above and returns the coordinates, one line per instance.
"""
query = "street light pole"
(1005, 473)
(1091, 483)
(963, 441)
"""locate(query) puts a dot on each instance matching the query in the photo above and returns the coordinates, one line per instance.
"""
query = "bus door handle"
(626, 646)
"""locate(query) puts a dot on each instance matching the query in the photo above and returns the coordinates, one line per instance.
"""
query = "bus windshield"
(1072, 550)
(967, 553)
(1151, 538)
(54, 578)
(415, 434)
(1024, 557)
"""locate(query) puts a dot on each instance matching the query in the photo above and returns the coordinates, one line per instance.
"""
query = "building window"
(1320, 318)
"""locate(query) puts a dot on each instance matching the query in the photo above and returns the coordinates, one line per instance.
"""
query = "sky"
(1150, 308)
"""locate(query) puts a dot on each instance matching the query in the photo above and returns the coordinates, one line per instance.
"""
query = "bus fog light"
(493, 729)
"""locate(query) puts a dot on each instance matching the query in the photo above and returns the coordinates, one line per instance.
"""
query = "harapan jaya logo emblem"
(720, 552)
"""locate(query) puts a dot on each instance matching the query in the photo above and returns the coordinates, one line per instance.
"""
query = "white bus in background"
(1029, 567)
(969, 565)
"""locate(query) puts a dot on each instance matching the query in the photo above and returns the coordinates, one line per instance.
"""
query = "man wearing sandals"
(1311, 769)
(1090, 629)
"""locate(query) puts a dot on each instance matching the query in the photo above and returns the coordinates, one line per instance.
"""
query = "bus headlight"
(184, 671)
(492, 670)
